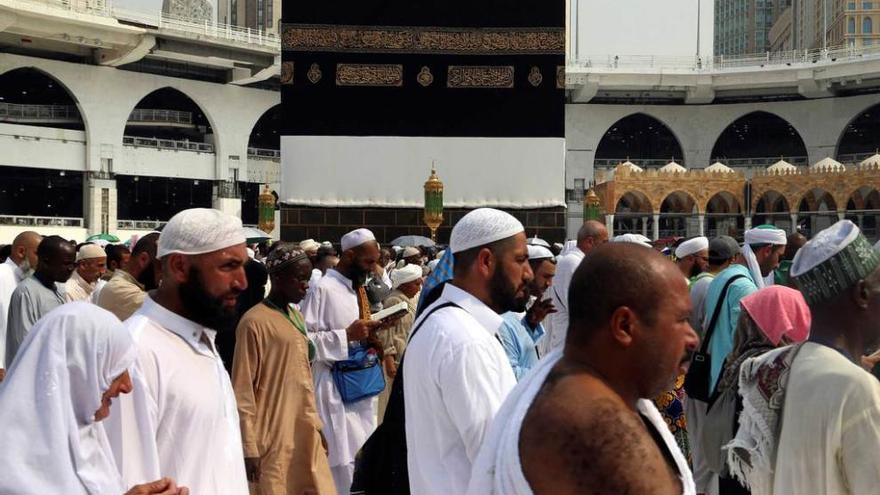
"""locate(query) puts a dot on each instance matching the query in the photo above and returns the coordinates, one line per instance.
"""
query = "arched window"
(867, 25)
(851, 28)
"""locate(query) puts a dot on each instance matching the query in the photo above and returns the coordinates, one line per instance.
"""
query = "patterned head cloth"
(284, 256)
(833, 261)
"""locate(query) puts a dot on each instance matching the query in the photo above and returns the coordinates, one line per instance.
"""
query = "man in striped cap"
(811, 414)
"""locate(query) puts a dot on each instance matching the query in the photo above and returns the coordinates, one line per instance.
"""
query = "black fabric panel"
(447, 13)
(324, 109)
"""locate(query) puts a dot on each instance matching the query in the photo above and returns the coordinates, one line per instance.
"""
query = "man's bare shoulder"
(579, 437)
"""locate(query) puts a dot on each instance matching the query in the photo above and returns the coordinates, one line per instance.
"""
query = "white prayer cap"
(633, 239)
(405, 275)
(692, 246)
(199, 231)
(481, 227)
(90, 252)
(540, 253)
(537, 241)
(433, 265)
(833, 261)
(327, 244)
(309, 245)
(766, 234)
(411, 251)
(355, 238)
(251, 254)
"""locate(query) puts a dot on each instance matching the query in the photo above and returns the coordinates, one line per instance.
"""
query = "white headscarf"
(764, 234)
(49, 399)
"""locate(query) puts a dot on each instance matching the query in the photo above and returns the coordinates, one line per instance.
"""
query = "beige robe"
(273, 386)
(122, 295)
(394, 340)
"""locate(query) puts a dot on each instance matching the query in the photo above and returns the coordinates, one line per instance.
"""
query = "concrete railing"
(160, 115)
(27, 112)
(628, 63)
(226, 32)
(167, 144)
(31, 221)
(140, 224)
(263, 153)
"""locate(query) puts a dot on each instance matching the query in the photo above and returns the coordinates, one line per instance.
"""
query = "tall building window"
(851, 26)
(851, 6)
(867, 5)
(867, 25)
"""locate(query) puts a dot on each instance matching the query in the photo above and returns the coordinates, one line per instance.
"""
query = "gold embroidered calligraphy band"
(369, 75)
(460, 41)
(480, 76)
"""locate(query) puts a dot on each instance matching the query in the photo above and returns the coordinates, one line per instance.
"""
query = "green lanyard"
(297, 323)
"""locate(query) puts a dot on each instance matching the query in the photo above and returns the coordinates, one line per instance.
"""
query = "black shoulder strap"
(711, 328)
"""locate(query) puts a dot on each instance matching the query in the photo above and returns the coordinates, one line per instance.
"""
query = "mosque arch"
(171, 115)
(633, 201)
(723, 202)
(266, 132)
(633, 213)
(32, 96)
(817, 210)
(642, 139)
(759, 134)
(861, 136)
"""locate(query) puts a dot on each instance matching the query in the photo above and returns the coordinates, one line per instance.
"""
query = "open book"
(395, 311)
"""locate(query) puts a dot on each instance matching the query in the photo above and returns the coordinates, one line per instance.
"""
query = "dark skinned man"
(582, 422)
(272, 378)
(41, 292)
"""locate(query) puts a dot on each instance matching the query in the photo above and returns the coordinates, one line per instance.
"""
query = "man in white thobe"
(181, 419)
(336, 311)
(456, 371)
(22, 259)
(811, 415)
(590, 235)
(91, 263)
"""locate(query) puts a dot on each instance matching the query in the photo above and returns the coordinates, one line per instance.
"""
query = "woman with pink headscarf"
(771, 317)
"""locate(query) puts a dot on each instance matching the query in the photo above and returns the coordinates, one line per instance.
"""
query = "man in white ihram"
(457, 373)
(181, 419)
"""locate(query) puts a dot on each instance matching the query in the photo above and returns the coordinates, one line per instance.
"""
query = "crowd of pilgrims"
(187, 362)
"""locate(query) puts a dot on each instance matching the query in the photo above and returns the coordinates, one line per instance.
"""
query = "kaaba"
(376, 93)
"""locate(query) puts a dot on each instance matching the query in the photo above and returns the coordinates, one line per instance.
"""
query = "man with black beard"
(125, 292)
(183, 407)
(337, 316)
(692, 257)
(457, 373)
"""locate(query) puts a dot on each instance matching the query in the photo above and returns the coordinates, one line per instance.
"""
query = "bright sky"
(644, 27)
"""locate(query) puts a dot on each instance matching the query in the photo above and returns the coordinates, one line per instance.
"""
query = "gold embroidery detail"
(560, 77)
(286, 73)
(369, 75)
(425, 78)
(535, 77)
(476, 41)
(480, 76)
(314, 74)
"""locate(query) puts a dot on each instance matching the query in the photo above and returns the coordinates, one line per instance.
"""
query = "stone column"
(861, 218)
(841, 215)
(644, 226)
(747, 223)
(656, 226)
(702, 218)
(794, 221)
(227, 198)
(609, 224)
(99, 203)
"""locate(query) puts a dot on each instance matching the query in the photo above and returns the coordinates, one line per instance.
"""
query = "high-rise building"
(743, 26)
(855, 23)
(258, 15)
(199, 11)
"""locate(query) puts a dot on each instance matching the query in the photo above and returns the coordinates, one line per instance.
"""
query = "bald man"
(591, 235)
(582, 418)
(41, 292)
(22, 257)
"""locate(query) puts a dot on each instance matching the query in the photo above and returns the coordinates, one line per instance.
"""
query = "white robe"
(181, 420)
(830, 429)
(52, 442)
(329, 308)
(456, 377)
(556, 324)
(10, 276)
(497, 470)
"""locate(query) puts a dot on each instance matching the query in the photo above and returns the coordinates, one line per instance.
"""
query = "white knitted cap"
(199, 231)
(481, 227)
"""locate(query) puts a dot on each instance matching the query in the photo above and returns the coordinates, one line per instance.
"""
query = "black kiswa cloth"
(381, 465)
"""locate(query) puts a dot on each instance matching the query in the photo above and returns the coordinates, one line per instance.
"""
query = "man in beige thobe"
(406, 283)
(272, 378)
(91, 263)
